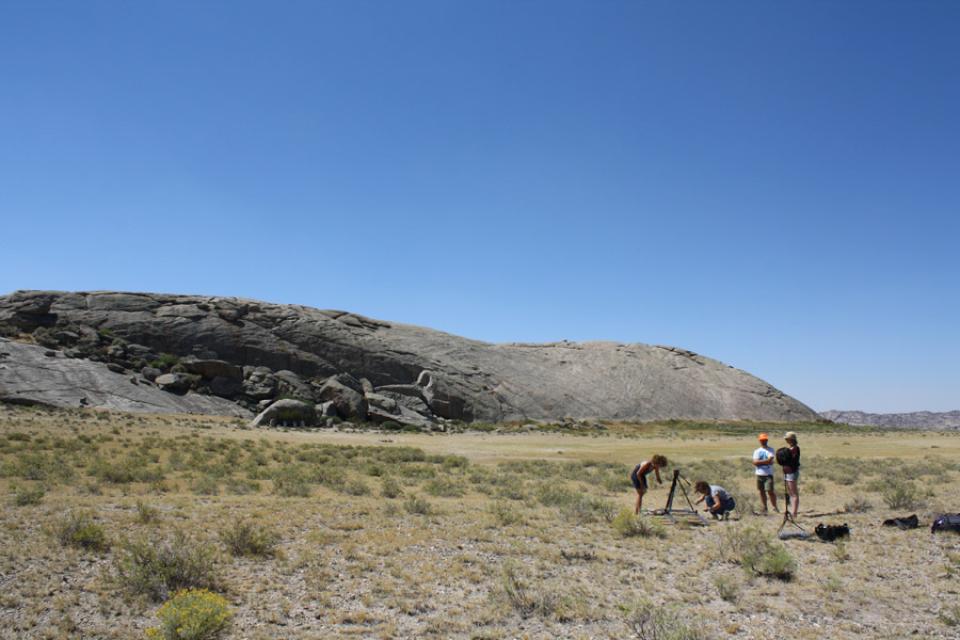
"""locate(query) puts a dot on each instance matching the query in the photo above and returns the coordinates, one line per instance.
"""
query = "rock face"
(249, 352)
(30, 374)
(948, 420)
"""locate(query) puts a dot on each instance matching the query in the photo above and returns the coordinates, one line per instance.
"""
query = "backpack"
(830, 532)
(911, 522)
(946, 522)
(784, 457)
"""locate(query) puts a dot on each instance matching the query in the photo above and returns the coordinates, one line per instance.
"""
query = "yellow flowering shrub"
(192, 614)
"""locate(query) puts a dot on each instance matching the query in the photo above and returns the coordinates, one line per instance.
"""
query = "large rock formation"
(947, 420)
(30, 374)
(253, 353)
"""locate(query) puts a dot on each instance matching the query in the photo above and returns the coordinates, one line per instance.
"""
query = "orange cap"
(763, 437)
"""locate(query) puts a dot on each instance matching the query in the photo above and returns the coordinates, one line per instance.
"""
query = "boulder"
(260, 384)
(349, 402)
(438, 397)
(151, 373)
(349, 381)
(173, 382)
(383, 409)
(405, 395)
(226, 387)
(291, 385)
(326, 409)
(213, 368)
(287, 412)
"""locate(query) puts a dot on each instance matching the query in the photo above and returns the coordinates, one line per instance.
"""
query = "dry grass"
(467, 535)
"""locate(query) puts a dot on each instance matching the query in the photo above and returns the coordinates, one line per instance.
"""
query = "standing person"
(763, 459)
(639, 477)
(719, 501)
(791, 472)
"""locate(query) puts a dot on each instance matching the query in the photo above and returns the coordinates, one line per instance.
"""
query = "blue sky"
(776, 185)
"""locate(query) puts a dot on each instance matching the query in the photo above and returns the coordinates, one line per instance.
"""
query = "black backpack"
(784, 457)
(830, 532)
(910, 522)
(946, 522)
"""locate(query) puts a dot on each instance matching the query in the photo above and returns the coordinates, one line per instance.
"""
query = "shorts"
(727, 505)
(792, 477)
(765, 483)
(638, 480)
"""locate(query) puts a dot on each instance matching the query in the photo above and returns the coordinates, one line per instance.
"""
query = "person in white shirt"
(763, 459)
(719, 501)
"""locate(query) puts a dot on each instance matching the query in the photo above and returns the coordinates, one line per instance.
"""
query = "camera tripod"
(669, 510)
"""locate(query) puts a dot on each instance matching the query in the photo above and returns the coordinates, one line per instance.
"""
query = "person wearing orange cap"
(763, 459)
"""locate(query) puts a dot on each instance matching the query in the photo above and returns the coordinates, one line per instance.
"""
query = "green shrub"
(652, 622)
(390, 488)
(627, 525)
(417, 505)
(291, 482)
(165, 361)
(147, 514)
(355, 488)
(241, 487)
(444, 487)
(728, 588)
(79, 530)
(858, 505)
(247, 538)
(582, 509)
(156, 568)
(526, 600)
(504, 514)
(901, 494)
(205, 486)
(25, 496)
(757, 552)
(192, 614)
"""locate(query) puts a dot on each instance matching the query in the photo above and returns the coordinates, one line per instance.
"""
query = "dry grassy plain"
(469, 535)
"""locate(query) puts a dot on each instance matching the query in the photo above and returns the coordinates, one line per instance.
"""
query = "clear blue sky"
(776, 185)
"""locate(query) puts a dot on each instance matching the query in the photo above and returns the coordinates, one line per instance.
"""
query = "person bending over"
(639, 477)
(719, 502)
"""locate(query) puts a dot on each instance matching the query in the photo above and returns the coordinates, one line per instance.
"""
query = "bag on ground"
(830, 532)
(905, 522)
(946, 522)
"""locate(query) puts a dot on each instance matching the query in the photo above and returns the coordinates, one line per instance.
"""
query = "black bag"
(784, 457)
(830, 532)
(946, 522)
(910, 522)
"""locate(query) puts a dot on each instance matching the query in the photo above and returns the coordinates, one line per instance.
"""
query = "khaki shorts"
(765, 483)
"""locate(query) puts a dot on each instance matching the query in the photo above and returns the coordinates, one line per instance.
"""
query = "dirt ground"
(526, 534)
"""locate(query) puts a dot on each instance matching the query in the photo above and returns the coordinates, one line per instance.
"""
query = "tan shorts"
(765, 483)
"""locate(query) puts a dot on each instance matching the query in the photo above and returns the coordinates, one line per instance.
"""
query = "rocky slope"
(252, 353)
(914, 420)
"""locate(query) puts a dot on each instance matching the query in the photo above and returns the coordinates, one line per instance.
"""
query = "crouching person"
(719, 502)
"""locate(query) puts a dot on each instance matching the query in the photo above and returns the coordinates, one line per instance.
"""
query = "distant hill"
(101, 348)
(915, 420)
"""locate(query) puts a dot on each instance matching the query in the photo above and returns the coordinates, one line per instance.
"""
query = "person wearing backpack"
(789, 459)
(763, 459)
